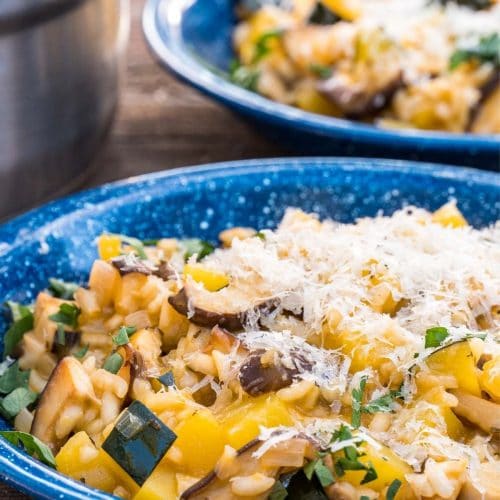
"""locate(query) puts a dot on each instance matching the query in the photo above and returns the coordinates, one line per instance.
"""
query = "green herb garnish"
(32, 445)
(20, 326)
(113, 363)
(393, 489)
(81, 352)
(322, 472)
(244, 76)
(278, 492)
(67, 315)
(487, 50)
(121, 338)
(435, 336)
(62, 289)
(13, 378)
(134, 243)
(262, 44)
(16, 401)
(18, 311)
(323, 72)
(195, 246)
(357, 399)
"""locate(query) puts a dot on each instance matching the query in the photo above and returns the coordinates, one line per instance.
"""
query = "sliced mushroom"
(68, 385)
(478, 411)
(264, 372)
(358, 99)
(228, 308)
(130, 263)
(243, 464)
(486, 119)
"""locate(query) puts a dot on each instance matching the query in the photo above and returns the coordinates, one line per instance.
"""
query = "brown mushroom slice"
(487, 118)
(69, 384)
(360, 98)
(219, 484)
(478, 411)
(264, 372)
(229, 308)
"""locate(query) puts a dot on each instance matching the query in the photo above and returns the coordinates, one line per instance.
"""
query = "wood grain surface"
(161, 124)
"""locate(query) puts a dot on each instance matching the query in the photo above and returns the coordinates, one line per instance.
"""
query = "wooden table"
(162, 123)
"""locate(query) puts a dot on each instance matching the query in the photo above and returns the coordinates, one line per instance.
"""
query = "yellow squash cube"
(457, 360)
(160, 485)
(211, 280)
(199, 444)
(81, 460)
(242, 420)
(109, 246)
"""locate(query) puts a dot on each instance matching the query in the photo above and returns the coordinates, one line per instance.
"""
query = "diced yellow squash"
(109, 246)
(211, 280)
(490, 378)
(160, 485)
(455, 428)
(346, 9)
(309, 99)
(199, 444)
(81, 460)
(388, 467)
(457, 360)
(242, 420)
(449, 215)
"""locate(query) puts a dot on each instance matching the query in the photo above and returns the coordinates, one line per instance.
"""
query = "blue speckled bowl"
(193, 39)
(58, 239)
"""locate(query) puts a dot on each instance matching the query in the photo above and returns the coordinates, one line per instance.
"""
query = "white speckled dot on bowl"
(58, 239)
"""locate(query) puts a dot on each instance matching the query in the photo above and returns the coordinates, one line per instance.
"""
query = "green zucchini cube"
(138, 441)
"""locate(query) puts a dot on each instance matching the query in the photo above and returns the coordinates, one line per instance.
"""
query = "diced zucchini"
(138, 441)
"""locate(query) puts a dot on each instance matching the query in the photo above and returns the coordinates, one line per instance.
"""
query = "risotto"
(426, 64)
(318, 360)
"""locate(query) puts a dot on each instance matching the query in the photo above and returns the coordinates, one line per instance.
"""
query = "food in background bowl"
(398, 63)
(333, 360)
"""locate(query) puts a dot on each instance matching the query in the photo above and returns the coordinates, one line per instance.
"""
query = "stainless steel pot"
(59, 70)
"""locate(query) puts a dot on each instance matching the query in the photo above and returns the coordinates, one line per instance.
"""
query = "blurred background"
(67, 55)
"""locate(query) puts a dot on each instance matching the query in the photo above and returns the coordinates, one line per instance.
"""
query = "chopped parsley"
(67, 315)
(16, 401)
(135, 244)
(393, 489)
(434, 337)
(244, 76)
(62, 289)
(382, 404)
(113, 363)
(23, 322)
(121, 338)
(195, 246)
(487, 50)
(322, 472)
(323, 72)
(278, 492)
(262, 48)
(81, 352)
(32, 445)
(12, 378)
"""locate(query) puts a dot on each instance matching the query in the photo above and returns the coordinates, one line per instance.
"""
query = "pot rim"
(16, 15)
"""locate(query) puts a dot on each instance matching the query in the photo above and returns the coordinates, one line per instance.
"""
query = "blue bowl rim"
(182, 63)
(33, 477)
